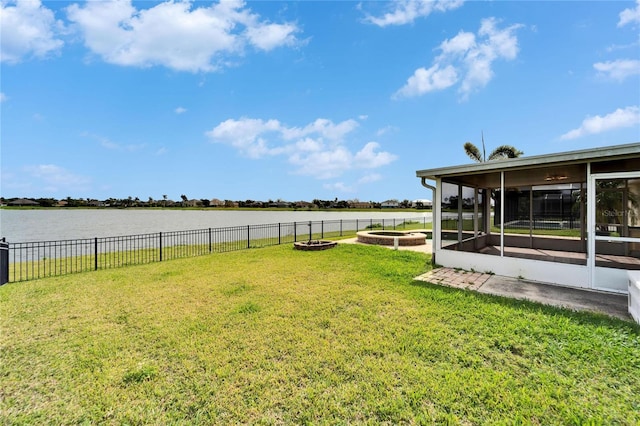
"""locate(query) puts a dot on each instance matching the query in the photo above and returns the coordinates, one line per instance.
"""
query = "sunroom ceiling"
(541, 175)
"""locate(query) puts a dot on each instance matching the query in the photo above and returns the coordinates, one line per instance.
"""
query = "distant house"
(216, 203)
(360, 205)
(23, 202)
(303, 205)
(423, 203)
(390, 204)
(280, 204)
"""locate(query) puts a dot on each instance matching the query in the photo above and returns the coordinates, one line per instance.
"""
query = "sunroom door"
(615, 227)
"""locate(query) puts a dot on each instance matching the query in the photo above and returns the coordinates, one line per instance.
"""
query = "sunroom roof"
(565, 167)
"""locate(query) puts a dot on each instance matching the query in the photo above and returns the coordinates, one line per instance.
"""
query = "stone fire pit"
(314, 245)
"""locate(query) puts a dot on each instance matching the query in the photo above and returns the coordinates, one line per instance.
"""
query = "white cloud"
(338, 186)
(317, 149)
(325, 164)
(109, 144)
(498, 44)
(342, 187)
(180, 110)
(370, 178)
(632, 45)
(55, 178)
(385, 130)
(407, 11)
(246, 135)
(175, 34)
(370, 158)
(325, 128)
(630, 16)
(460, 44)
(3, 97)
(28, 29)
(466, 58)
(627, 117)
(427, 80)
(619, 69)
(269, 36)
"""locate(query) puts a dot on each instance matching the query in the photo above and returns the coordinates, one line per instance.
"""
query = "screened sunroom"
(571, 218)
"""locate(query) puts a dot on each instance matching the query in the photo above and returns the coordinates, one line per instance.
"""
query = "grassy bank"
(273, 335)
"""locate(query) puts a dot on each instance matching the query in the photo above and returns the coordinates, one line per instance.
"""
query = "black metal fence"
(32, 260)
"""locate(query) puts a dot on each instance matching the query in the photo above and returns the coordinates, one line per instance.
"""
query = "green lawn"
(278, 336)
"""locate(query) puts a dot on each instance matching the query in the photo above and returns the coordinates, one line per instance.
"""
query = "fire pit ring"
(387, 238)
(314, 245)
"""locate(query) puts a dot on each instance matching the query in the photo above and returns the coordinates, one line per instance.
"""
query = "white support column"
(591, 226)
(460, 218)
(436, 217)
(502, 214)
(531, 216)
(475, 212)
(476, 230)
(486, 200)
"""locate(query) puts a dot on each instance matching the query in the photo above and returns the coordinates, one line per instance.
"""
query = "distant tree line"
(165, 202)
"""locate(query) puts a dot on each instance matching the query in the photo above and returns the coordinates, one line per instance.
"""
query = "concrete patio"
(614, 305)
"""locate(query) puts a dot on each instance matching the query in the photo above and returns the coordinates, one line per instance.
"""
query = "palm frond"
(473, 152)
(505, 151)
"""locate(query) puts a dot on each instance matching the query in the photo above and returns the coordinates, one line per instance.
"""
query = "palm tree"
(501, 152)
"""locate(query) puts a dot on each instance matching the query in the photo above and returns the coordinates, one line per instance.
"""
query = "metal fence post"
(4, 261)
(295, 232)
(322, 229)
(248, 236)
(160, 245)
(210, 248)
(310, 234)
(95, 254)
(341, 227)
(279, 234)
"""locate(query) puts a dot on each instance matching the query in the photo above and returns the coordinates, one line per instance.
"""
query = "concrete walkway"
(614, 305)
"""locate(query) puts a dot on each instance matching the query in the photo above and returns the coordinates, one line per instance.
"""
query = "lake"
(61, 224)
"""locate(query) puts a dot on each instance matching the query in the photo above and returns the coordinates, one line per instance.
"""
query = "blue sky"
(301, 100)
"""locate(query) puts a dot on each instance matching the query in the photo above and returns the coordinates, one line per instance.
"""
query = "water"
(66, 224)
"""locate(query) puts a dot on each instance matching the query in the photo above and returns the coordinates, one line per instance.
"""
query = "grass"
(279, 336)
